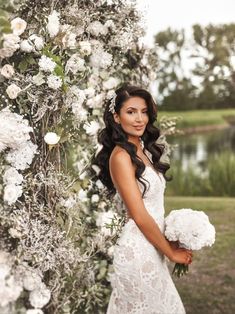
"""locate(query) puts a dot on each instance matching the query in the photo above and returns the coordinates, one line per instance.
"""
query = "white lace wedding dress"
(141, 281)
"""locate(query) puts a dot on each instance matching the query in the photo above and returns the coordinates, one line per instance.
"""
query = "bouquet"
(192, 229)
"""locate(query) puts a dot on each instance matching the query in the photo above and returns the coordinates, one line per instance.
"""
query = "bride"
(130, 165)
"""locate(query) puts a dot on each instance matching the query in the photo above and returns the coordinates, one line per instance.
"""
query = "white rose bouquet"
(192, 229)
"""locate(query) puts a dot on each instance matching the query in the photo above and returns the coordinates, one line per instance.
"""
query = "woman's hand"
(182, 256)
(174, 244)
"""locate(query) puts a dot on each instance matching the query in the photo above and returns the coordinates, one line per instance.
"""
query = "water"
(194, 149)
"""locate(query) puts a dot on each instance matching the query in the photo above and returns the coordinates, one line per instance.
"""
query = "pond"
(193, 150)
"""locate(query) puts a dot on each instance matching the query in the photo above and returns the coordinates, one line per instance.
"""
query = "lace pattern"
(140, 279)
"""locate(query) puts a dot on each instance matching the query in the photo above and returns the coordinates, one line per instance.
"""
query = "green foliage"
(219, 182)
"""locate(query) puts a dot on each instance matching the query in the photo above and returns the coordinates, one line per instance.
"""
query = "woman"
(130, 165)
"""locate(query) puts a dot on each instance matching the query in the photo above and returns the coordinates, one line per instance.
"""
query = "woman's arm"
(123, 177)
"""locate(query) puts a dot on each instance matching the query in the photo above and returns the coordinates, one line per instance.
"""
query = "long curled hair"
(113, 135)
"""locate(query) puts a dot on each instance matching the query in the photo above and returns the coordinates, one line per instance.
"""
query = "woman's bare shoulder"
(120, 157)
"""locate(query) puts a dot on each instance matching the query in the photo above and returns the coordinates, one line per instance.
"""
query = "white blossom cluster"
(191, 228)
(14, 135)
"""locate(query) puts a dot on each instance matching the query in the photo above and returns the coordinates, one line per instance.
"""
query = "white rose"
(11, 41)
(37, 41)
(12, 176)
(31, 281)
(40, 297)
(51, 138)
(18, 26)
(11, 193)
(12, 91)
(26, 46)
(7, 71)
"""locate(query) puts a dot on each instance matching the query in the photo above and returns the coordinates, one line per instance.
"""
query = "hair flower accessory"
(112, 102)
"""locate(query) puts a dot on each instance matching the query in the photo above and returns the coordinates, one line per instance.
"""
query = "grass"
(210, 284)
(196, 118)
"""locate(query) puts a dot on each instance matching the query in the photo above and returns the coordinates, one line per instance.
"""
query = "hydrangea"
(96, 28)
(22, 157)
(46, 64)
(100, 59)
(190, 227)
(75, 64)
(54, 81)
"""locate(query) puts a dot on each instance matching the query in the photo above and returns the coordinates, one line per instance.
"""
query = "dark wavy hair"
(113, 135)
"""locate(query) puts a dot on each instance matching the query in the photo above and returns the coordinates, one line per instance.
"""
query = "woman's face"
(133, 116)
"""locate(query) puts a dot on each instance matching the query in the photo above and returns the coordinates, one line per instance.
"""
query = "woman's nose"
(139, 116)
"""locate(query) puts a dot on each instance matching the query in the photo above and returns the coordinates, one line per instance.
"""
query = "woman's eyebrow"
(136, 108)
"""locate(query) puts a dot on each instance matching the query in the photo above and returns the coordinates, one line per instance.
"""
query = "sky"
(184, 13)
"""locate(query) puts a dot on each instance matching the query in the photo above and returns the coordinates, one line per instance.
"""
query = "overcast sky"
(184, 13)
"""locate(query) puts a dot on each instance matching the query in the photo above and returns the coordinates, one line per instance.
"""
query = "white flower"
(53, 25)
(40, 296)
(21, 157)
(31, 280)
(92, 127)
(96, 28)
(7, 71)
(82, 195)
(75, 64)
(101, 59)
(38, 79)
(96, 102)
(6, 52)
(37, 41)
(11, 193)
(14, 131)
(10, 291)
(12, 176)
(46, 64)
(51, 138)
(26, 46)
(12, 91)
(34, 311)
(69, 202)
(190, 227)
(54, 81)
(85, 47)
(75, 97)
(90, 92)
(95, 198)
(11, 41)
(5, 270)
(69, 41)
(111, 83)
(18, 26)
(104, 218)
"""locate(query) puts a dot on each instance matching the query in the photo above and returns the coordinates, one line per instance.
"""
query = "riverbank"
(210, 284)
(201, 120)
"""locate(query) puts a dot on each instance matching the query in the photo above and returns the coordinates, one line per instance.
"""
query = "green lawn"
(210, 284)
(199, 117)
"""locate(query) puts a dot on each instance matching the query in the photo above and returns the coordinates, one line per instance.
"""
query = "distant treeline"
(210, 54)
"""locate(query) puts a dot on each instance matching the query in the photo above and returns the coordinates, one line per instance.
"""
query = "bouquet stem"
(180, 270)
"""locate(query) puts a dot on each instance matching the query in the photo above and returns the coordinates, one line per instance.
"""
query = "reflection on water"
(194, 149)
